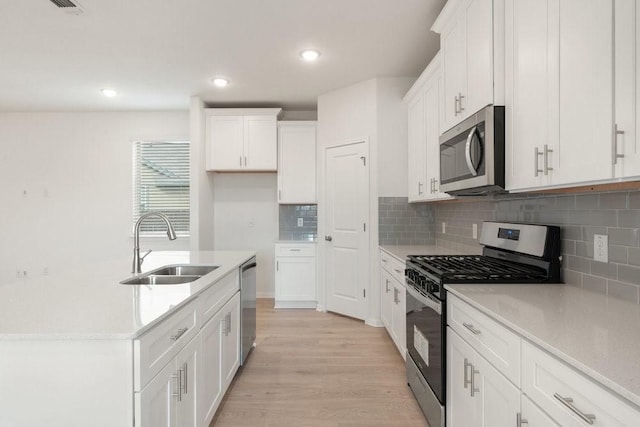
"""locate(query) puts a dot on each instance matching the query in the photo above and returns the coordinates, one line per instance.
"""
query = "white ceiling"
(158, 53)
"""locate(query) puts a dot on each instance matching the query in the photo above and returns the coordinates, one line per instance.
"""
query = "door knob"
(328, 238)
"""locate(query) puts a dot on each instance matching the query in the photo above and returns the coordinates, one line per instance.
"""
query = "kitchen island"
(79, 348)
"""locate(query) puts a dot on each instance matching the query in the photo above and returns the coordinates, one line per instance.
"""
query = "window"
(161, 184)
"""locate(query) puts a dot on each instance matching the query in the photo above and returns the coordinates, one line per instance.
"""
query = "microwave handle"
(467, 151)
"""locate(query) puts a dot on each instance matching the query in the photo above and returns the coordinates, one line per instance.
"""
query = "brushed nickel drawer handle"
(467, 381)
(397, 271)
(568, 402)
(178, 334)
(520, 420)
(470, 327)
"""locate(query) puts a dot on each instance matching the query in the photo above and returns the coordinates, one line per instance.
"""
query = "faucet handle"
(144, 256)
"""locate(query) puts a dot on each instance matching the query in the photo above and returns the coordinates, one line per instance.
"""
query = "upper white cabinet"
(559, 92)
(424, 106)
(241, 139)
(297, 162)
(470, 36)
(626, 137)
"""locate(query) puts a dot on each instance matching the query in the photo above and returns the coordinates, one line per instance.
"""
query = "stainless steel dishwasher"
(247, 308)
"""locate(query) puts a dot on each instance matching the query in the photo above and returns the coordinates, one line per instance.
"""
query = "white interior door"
(347, 216)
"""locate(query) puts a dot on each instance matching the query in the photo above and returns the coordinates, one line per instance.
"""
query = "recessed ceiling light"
(109, 92)
(220, 82)
(309, 55)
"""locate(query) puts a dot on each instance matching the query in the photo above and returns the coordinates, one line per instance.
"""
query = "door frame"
(372, 285)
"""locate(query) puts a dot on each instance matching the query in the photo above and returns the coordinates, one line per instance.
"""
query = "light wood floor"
(319, 369)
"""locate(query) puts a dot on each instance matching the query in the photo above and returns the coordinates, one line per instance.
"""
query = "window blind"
(161, 184)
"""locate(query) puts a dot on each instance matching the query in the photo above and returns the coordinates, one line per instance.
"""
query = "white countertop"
(596, 334)
(401, 252)
(90, 303)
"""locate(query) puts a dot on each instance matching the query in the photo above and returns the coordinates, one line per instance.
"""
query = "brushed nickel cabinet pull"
(615, 154)
(470, 327)
(178, 334)
(466, 377)
(568, 402)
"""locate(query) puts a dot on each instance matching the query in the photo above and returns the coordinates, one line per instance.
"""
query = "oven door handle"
(427, 300)
(467, 151)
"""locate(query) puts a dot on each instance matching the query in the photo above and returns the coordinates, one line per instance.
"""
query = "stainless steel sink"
(184, 270)
(171, 275)
(159, 280)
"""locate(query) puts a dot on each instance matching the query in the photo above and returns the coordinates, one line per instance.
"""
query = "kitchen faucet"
(171, 233)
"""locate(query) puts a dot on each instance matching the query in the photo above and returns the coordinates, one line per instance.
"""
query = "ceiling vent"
(68, 6)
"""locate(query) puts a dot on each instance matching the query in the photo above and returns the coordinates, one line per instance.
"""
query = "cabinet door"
(477, 60)
(295, 279)
(498, 400)
(531, 89)
(532, 416)
(260, 143)
(462, 411)
(155, 405)
(225, 136)
(452, 47)
(188, 370)
(416, 148)
(297, 164)
(231, 340)
(386, 299)
(627, 90)
(399, 317)
(210, 386)
(433, 114)
(586, 92)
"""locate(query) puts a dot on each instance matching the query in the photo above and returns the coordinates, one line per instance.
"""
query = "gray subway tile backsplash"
(404, 223)
(288, 222)
(580, 216)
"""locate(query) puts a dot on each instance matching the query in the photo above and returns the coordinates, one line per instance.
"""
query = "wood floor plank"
(313, 369)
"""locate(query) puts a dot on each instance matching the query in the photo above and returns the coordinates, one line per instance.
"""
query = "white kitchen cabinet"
(241, 139)
(393, 300)
(468, 32)
(295, 275)
(170, 398)
(532, 416)
(626, 139)
(477, 394)
(297, 162)
(211, 386)
(231, 340)
(424, 106)
(559, 115)
(568, 396)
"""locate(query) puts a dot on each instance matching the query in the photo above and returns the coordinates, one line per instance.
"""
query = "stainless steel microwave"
(472, 155)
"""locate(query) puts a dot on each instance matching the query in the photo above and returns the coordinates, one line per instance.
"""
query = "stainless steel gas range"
(512, 253)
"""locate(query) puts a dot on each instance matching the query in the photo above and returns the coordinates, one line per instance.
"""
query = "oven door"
(426, 323)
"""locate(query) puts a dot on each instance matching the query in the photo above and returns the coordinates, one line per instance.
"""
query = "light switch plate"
(601, 247)
(474, 231)
(300, 222)
(444, 228)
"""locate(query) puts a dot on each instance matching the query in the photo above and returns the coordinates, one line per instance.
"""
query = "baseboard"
(296, 304)
(265, 295)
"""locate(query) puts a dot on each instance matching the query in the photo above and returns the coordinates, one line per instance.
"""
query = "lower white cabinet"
(295, 275)
(483, 391)
(393, 303)
(477, 394)
(170, 398)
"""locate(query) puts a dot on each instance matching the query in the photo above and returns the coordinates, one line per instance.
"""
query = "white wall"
(392, 136)
(246, 218)
(66, 186)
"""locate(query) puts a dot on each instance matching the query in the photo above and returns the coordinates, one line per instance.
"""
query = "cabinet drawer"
(217, 295)
(568, 396)
(394, 266)
(497, 344)
(295, 249)
(155, 348)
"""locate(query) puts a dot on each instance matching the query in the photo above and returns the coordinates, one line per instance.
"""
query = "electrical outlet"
(444, 227)
(252, 223)
(300, 222)
(474, 231)
(601, 247)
